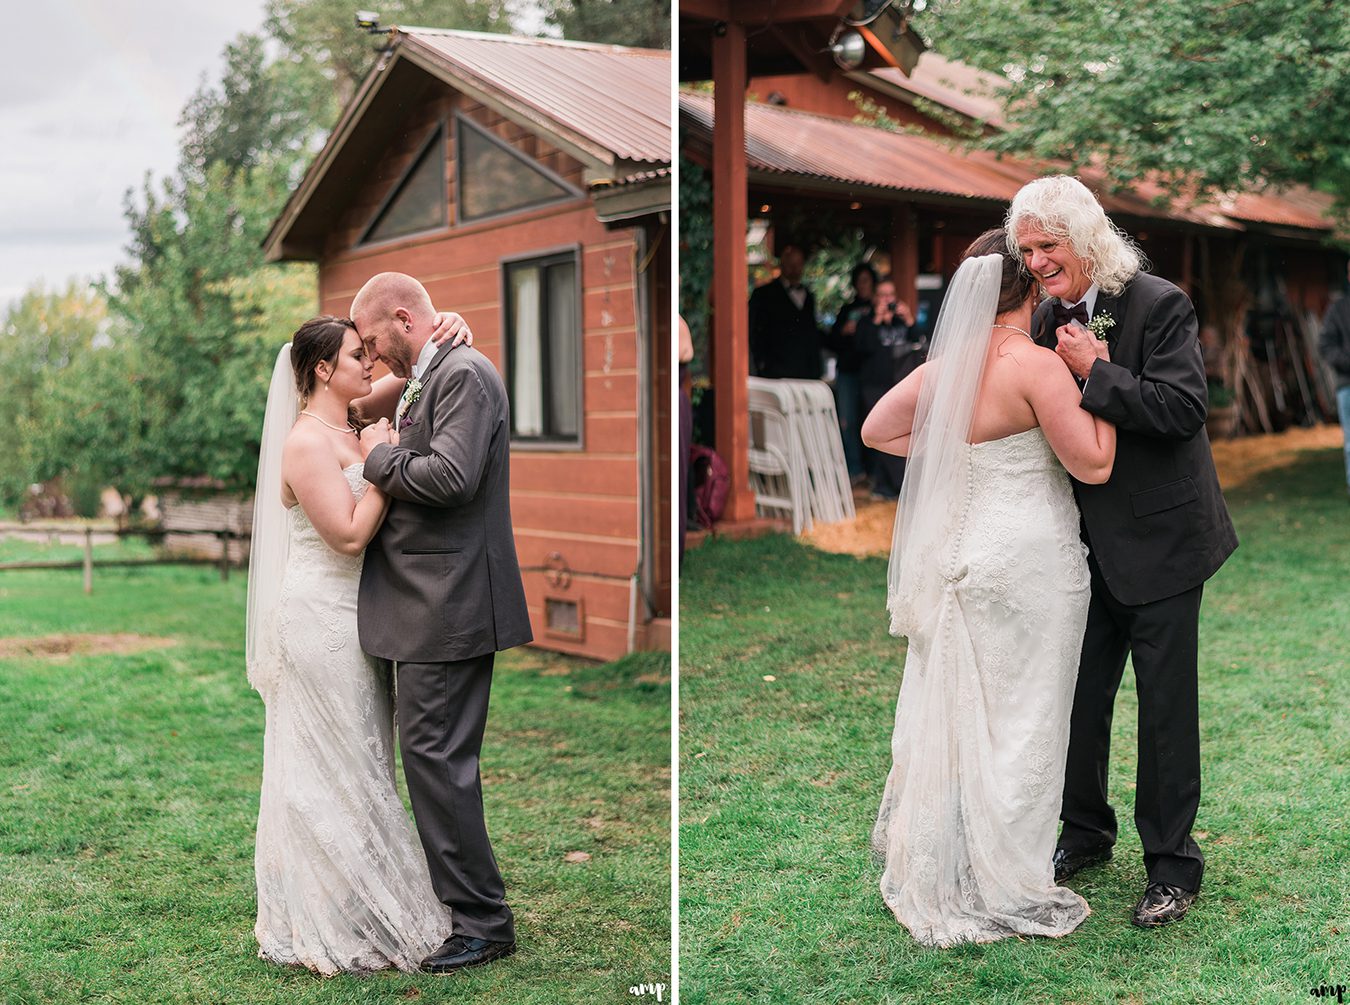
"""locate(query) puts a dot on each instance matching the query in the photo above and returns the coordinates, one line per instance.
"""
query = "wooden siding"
(578, 507)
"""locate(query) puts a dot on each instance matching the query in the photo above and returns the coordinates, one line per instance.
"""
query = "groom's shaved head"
(394, 316)
(385, 293)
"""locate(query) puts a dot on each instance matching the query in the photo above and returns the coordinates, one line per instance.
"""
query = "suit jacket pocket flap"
(1164, 497)
(416, 436)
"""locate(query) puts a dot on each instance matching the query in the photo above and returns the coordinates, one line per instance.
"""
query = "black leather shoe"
(1161, 905)
(1068, 863)
(462, 951)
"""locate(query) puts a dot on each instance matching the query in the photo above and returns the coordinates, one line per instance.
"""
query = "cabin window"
(543, 348)
(494, 178)
(418, 202)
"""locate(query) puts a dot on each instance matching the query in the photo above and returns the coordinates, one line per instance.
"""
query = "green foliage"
(828, 269)
(193, 312)
(51, 348)
(788, 683)
(176, 382)
(696, 254)
(643, 23)
(328, 56)
(1209, 94)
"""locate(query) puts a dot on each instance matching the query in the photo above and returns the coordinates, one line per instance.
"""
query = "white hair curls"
(1063, 207)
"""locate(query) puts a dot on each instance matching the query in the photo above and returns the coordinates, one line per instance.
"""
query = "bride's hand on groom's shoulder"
(452, 328)
(376, 433)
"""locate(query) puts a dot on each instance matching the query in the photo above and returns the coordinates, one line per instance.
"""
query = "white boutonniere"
(412, 392)
(1100, 325)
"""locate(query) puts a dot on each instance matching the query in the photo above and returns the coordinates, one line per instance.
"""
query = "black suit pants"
(442, 710)
(1162, 640)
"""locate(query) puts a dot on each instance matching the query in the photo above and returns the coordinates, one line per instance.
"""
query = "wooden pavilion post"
(905, 253)
(731, 320)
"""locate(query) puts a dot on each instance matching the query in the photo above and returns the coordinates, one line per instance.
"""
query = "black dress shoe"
(1068, 863)
(1162, 904)
(462, 951)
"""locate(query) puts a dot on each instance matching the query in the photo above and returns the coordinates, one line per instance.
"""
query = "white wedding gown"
(342, 879)
(968, 821)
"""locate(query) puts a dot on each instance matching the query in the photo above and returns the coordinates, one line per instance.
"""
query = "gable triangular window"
(418, 201)
(494, 178)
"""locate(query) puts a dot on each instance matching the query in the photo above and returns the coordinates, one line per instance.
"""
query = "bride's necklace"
(1022, 331)
(349, 429)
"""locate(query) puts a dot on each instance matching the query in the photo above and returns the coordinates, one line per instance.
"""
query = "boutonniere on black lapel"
(1100, 325)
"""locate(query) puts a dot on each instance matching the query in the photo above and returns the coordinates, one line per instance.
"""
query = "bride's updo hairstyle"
(1017, 283)
(318, 340)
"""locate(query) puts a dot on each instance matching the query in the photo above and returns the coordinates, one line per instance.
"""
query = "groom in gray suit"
(441, 594)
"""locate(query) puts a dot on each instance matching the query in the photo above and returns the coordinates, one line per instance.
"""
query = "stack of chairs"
(797, 467)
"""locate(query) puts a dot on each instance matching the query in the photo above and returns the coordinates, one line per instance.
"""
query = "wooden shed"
(526, 183)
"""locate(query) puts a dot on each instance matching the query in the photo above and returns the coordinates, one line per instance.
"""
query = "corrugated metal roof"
(784, 141)
(953, 85)
(806, 145)
(1302, 208)
(616, 97)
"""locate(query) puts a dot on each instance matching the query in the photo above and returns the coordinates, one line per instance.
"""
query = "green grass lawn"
(780, 782)
(129, 795)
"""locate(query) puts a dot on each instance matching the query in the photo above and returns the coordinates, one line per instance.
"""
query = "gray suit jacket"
(440, 580)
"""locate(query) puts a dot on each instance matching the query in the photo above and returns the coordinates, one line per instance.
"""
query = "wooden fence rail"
(87, 562)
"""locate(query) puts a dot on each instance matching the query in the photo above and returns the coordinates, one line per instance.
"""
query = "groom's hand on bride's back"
(376, 433)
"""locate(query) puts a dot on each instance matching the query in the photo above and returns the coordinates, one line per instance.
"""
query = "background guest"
(887, 355)
(1335, 346)
(843, 342)
(784, 339)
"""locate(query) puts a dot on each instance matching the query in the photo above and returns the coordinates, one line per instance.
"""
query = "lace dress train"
(967, 824)
(342, 879)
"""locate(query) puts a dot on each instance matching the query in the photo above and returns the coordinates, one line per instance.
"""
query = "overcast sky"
(90, 94)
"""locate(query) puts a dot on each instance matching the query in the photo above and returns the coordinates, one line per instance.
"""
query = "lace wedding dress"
(342, 879)
(968, 820)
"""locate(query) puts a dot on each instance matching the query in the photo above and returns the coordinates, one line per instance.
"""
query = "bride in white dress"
(989, 581)
(341, 876)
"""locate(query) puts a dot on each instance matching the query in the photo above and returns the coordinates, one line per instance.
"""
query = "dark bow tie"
(1063, 315)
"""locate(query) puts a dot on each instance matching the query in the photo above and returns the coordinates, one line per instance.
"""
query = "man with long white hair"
(1155, 530)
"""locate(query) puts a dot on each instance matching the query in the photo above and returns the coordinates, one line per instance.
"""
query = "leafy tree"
(195, 302)
(46, 340)
(1207, 95)
(169, 379)
(642, 23)
(320, 42)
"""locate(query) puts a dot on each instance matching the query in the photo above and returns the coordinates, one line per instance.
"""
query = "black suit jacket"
(440, 580)
(1335, 340)
(784, 341)
(1158, 526)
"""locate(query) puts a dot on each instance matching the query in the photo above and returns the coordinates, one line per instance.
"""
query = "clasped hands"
(379, 431)
(1079, 349)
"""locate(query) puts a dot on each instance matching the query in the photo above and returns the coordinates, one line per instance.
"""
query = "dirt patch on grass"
(1237, 461)
(63, 646)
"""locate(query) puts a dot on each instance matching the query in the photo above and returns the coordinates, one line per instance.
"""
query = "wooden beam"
(796, 41)
(780, 11)
(731, 320)
(763, 11)
(707, 10)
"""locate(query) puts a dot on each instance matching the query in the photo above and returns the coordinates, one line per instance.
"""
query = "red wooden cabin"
(526, 183)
